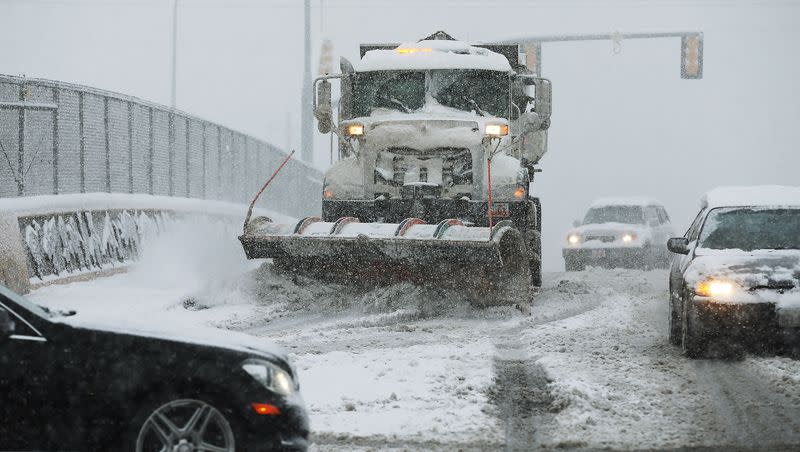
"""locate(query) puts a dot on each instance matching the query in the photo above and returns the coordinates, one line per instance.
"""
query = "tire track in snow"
(751, 413)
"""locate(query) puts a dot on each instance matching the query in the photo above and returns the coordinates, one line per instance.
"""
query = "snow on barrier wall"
(55, 238)
(57, 137)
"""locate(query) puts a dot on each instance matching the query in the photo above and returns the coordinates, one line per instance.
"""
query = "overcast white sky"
(623, 124)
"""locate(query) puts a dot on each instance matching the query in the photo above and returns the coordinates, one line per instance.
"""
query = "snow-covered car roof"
(759, 195)
(625, 201)
(433, 54)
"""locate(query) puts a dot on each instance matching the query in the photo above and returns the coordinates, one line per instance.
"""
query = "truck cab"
(418, 125)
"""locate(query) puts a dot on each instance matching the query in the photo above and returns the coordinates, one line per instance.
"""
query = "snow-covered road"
(410, 368)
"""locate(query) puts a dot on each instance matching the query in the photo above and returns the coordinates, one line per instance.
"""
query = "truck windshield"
(479, 91)
(751, 229)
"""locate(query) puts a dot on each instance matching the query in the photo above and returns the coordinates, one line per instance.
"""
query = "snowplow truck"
(438, 143)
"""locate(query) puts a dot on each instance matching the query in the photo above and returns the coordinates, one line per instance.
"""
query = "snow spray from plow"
(488, 265)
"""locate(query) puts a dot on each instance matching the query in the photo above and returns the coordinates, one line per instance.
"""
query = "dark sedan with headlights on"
(735, 278)
(72, 387)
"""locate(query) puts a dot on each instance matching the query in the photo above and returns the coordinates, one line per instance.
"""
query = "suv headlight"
(271, 376)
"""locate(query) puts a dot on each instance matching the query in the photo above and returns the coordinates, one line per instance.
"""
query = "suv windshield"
(614, 214)
(484, 92)
(751, 229)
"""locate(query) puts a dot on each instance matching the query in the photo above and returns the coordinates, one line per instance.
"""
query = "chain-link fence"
(57, 138)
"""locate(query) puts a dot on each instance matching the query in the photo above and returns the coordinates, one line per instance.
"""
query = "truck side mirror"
(543, 98)
(322, 110)
(678, 245)
(7, 325)
(576, 223)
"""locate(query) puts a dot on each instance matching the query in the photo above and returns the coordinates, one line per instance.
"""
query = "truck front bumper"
(432, 210)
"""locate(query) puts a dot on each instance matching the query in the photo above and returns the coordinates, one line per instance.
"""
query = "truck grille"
(443, 166)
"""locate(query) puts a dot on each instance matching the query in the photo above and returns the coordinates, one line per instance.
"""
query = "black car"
(65, 387)
(735, 280)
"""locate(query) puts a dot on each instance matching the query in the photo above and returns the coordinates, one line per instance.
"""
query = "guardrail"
(58, 138)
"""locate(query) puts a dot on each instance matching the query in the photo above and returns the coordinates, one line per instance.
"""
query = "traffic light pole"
(691, 46)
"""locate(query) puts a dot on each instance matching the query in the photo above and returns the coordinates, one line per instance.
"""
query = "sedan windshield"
(482, 92)
(614, 214)
(23, 303)
(751, 229)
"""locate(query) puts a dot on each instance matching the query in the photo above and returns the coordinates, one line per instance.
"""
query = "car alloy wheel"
(185, 425)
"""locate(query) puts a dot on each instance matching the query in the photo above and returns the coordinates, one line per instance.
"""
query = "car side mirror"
(576, 223)
(7, 325)
(678, 245)
(322, 110)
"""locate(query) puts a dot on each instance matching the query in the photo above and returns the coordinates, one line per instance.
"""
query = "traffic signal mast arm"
(691, 47)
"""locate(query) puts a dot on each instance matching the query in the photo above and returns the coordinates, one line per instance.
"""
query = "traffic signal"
(692, 56)
(533, 57)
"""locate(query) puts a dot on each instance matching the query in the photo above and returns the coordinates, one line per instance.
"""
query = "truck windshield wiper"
(475, 105)
(396, 102)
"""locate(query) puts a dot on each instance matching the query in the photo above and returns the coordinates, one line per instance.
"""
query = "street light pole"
(174, 51)
(306, 123)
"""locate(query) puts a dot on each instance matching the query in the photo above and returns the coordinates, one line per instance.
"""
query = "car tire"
(693, 341)
(675, 327)
(148, 425)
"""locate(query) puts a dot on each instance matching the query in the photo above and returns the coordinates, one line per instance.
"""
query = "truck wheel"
(572, 265)
(693, 341)
(535, 257)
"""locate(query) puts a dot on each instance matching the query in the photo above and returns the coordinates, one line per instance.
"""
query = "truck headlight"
(573, 239)
(496, 130)
(714, 288)
(628, 238)
(270, 376)
(354, 130)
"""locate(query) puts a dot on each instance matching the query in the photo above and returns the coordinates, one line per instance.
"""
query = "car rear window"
(751, 229)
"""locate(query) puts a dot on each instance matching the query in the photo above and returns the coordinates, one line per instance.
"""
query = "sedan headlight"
(715, 288)
(271, 376)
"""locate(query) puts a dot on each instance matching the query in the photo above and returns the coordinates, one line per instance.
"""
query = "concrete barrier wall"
(47, 239)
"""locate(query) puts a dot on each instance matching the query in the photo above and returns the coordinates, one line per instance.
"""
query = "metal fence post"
(188, 161)
(21, 144)
(130, 146)
(205, 155)
(152, 153)
(171, 172)
(55, 140)
(108, 144)
(82, 141)
(219, 162)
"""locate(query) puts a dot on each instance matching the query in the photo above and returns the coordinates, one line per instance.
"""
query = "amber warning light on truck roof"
(407, 50)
